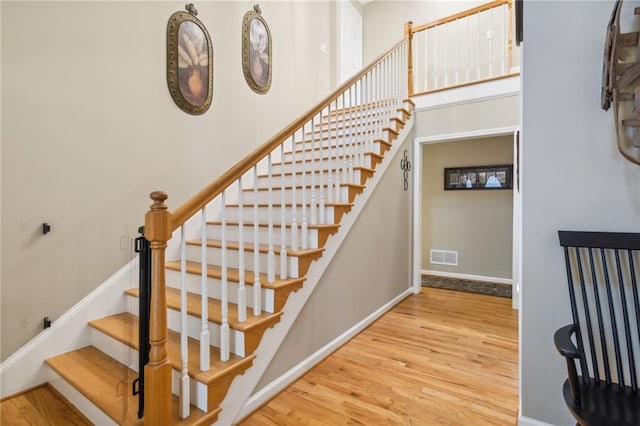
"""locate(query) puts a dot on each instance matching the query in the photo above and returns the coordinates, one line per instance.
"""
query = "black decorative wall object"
(405, 165)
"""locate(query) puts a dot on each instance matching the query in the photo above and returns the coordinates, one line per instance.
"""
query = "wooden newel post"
(409, 33)
(157, 385)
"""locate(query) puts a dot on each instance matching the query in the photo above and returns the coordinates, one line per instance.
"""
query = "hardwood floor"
(42, 406)
(440, 357)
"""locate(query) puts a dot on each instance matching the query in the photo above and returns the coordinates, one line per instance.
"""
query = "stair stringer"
(26, 368)
(243, 386)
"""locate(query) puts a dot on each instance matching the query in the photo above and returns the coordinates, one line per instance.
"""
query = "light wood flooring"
(42, 406)
(438, 358)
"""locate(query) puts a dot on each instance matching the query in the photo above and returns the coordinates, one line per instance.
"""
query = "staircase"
(237, 257)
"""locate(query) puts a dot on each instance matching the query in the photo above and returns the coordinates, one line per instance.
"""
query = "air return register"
(444, 257)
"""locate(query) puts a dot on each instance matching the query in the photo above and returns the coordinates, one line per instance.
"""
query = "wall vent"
(444, 257)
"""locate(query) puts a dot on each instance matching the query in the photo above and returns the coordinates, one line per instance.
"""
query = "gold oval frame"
(256, 86)
(175, 58)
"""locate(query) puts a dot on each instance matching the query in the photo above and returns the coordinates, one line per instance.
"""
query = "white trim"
(496, 280)
(416, 197)
(278, 385)
(528, 421)
(489, 90)
(25, 368)
(473, 134)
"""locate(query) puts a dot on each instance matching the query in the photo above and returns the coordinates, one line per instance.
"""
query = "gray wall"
(478, 224)
(89, 130)
(573, 178)
(371, 267)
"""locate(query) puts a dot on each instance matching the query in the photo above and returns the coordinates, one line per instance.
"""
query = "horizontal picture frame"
(478, 177)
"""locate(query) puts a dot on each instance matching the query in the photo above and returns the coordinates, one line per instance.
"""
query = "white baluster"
(490, 42)
(446, 54)
(330, 177)
(468, 49)
(304, 228)
(426, 61)
(314, 210)
(321, 204)
(224, 308)
(478, 47)
(283, 227)
(242, 292)
(294, 221)
(346, 140)
(205, 338)
(353, 139)
(271, 256)
(336, 161)
(435, 57)
(503, 42)
(257, 293)
(184, 332)
(457, 43)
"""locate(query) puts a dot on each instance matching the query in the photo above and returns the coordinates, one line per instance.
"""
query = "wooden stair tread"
(251, 205)
(279, 188)
(340, 157)
(328, 227)
(107, 384)
(631, 122)
(194, 308)
(215, 271)
(124, 328)
(278, 174)
(262, 248)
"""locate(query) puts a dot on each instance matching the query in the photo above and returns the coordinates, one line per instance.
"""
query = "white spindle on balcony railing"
(314, 190)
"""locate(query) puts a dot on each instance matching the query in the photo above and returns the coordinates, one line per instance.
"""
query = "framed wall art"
(256, 51)
(478, 177)
(189, 62)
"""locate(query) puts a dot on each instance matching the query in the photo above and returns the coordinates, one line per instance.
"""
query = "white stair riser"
(233, 213)
(129, 356)
(193, 283)
(276, 197)
(319, 165)
(349, 150)
(194, 327)
(82, 403)
(360, 134)
(214, 256)
(263, 181)
(214, 232)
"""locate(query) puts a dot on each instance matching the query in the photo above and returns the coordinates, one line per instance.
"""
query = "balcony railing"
(471, 46)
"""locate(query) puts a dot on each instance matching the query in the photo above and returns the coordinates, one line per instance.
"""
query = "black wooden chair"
(603, 271)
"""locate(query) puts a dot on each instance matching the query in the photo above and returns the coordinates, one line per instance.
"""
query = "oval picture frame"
(256, 51)
(189, 62)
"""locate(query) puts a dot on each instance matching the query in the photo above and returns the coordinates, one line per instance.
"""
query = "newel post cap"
(157, 221)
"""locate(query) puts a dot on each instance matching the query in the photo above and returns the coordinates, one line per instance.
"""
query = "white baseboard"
(528, 421)
(278, 385)
(495, 280)
(25, 368)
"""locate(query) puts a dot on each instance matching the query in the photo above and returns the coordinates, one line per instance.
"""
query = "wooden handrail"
(458, 15)
(202, 198)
